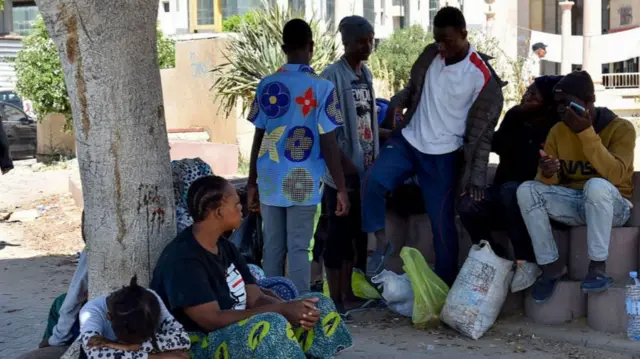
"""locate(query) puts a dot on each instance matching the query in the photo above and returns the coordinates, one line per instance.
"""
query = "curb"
(576, 333)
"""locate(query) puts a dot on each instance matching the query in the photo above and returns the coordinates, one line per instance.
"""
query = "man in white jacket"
(532, 68)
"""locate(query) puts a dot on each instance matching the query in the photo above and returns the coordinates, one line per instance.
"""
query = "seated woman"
(131, 323)
(209, 288)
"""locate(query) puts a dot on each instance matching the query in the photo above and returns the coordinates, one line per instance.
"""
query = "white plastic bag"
(396, 291)
(475, 300)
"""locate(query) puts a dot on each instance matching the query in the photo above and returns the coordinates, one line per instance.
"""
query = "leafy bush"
(40, 77)
(397, 54)
(234, 23)
(255, 52)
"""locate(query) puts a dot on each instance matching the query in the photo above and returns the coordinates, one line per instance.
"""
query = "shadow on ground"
(28, 286)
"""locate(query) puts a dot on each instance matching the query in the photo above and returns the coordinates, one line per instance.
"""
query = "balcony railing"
(621, 80)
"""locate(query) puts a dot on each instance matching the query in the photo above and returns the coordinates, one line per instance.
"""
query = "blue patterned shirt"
(294, 106)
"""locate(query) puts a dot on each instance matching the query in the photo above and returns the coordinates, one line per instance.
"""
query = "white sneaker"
(526, 274)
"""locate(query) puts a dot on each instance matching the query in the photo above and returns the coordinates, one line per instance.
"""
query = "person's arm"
(502, 138)
(329, 119)
(256, 117)
(484, 113)
(612, 163)
(6, 163)
(210, 317)
(76, 296)
(551, 149)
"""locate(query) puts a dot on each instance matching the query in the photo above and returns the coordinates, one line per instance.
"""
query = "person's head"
(134, 313)
(214, 200)
(357, 37)
(575, 87)
(539, 49)
(297, 41)
(540, 95)
(450, 32)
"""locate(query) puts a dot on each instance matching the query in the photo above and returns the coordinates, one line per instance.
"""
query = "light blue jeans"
(287, 234)
(599, 206)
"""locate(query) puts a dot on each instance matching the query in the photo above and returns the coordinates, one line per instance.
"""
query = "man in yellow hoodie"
(584, 178)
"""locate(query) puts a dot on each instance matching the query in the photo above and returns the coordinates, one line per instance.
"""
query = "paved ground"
(36, 264)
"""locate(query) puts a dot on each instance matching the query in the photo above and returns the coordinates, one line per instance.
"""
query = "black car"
(12, 98)
(20, 129)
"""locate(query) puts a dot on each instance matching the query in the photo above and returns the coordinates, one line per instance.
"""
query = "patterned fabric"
(281, 286)
(270, 335)
(185, 172)
(294, 107)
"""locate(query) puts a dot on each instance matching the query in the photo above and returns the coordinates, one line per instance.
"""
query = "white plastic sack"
(475, 300)
(396, 291)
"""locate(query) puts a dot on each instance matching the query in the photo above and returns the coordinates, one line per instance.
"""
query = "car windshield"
(10, 97)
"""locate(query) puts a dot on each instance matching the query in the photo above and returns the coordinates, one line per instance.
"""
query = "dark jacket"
(518, 142)
(5, 155)
(481, 120)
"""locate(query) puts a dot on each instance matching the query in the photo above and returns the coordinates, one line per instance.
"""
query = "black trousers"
(498, 211)
(345, 241)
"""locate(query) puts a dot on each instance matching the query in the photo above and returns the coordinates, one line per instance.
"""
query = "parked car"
(11, 97)
(20, 129)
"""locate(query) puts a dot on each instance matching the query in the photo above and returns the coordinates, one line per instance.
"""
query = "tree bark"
(109, 57)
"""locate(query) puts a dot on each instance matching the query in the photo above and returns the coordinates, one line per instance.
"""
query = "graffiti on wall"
(626, 16)
(199, 68)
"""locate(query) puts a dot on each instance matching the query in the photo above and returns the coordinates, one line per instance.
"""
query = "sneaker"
(543, 288)
(526, 275)
(596, 282)
(375, 261)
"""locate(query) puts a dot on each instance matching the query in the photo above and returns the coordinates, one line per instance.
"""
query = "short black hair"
(134, 313)
(296, 34)
(450, 16)
(204, 195)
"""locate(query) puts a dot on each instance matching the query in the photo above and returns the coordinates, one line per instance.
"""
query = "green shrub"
(234, 23)
(40, 77)
(398, 53)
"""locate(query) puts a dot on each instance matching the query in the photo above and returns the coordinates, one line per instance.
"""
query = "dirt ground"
(37, 260)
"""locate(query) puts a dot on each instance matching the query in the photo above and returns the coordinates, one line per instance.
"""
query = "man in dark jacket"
(452, 110)
(518, 141)
(6, 164)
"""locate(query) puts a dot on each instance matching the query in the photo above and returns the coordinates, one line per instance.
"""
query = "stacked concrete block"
(623, 253)
(606, 311)
(567, 303)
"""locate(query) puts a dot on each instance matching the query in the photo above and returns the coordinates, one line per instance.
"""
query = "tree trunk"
(109, 57)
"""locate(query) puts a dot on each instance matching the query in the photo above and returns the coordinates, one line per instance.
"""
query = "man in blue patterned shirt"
(295, 113)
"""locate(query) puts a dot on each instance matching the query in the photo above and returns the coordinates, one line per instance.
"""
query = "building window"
(165, 6)
(205, 12)
(297, 7)
(369, 11)
(398, 22)
(330, 13)
(24, 15)
(238, 7)
(177, 5)
(434, 5)
(397, 3)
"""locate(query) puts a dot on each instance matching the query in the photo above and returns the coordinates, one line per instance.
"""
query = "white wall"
(176, 21)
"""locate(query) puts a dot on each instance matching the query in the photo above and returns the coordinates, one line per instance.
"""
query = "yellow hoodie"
(604, 150)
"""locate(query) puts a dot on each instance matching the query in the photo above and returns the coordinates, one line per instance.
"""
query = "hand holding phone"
(576, 117)
(549, 165)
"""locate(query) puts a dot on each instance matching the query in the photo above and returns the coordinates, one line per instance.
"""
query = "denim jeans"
(599, 206)
(287, 234)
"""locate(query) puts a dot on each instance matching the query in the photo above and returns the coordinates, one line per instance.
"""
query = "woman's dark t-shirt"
(188, 275)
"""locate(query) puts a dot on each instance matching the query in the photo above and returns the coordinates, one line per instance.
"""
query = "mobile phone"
(577, 108)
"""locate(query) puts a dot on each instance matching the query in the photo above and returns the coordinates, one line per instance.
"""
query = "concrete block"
(623, 253)
(513, 304)
(223, 158)
(75, 188)
(634, 220)
(606, 312)
(567, 303)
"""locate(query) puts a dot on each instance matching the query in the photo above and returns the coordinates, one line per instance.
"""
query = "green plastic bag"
(360, 286)
(429, 291)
